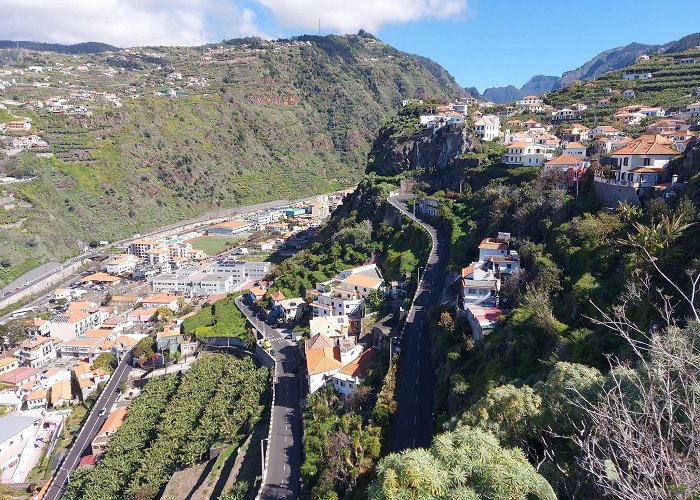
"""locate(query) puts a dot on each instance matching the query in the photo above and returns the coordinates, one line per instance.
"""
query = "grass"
(213, 245)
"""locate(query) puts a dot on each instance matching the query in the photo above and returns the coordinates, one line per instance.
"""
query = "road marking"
(416, 379)
(416, 399)
(415, 419)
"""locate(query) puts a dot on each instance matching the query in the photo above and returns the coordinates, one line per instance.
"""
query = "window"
(647, 162)
(625, 161)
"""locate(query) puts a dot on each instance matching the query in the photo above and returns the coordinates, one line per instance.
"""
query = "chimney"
(674, 179)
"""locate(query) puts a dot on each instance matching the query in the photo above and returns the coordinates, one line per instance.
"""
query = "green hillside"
(672, 85)
(275, 119)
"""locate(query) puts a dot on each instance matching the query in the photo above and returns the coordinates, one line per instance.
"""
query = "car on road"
(102, 412)
(289, 336)
(272, 352)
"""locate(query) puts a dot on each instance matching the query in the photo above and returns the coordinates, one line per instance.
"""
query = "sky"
(482, 43)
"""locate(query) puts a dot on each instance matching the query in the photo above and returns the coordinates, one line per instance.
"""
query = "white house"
(488, 127)
(349, 377)
(629, 93)
(605, 130)
(15, 433)
(639, 164)
(637, 76)
(693, 109)
(291, 309)
(79, 317)
(574, 149)
(528, 99)
(527, 153)
(38, 351)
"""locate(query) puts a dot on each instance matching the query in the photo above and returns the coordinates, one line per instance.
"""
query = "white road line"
(415, 419)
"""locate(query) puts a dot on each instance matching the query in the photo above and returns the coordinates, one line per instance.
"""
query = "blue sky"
(483, 43)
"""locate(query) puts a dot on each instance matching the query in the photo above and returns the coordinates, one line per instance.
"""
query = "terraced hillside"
(672, 85)
(182, 131)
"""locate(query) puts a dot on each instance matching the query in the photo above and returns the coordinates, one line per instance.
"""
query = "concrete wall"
(51, 280)
(612, 196)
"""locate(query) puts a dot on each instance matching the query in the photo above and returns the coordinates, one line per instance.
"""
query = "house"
(482, 319)
(291, 309)
(79, 316)
(429, 207)
(574, 149)
(636, 168)
(604, 130)
(578, 132)
(8, 364)
(490, 247)
(61, 393)
(50, 377)
(160, 300)
(629, 118)
(121, 263)
(637, 76)
(686, 60)
(294, 211)
(143, 314)
(256, 293)
(38, 351)
(488, 127)
(528, 124)
(36, 399)
(526, 153)
(693, 109)
(15, 433)
(564, 114)
(169, 338)
(20, 376)
(653, 111)
(275, 298)
(323, 359)
(18, 125)
(38, 327)
(333, 326)
(104, 435)
(350, 376)
(89, 377)
(529, 99)
(572, 165)
(629, 93)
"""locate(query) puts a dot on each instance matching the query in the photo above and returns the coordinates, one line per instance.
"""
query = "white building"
(488, 127)
(38, 351)
(16, 432)
(637, 76)
(527, 154)
(121, 263)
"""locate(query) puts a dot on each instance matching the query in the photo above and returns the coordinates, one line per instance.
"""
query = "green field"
(212, 245)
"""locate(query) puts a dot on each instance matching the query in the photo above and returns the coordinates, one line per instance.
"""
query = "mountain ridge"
(608, 60)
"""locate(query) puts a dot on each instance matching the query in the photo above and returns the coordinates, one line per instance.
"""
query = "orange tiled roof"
(358, 367)
(564, 160)
(61, 390)
(652, 144)
(492, 244)
(113, 422)
(323, 360)
(362, 280)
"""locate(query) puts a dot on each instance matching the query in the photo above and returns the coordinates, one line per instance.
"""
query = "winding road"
(413, 422)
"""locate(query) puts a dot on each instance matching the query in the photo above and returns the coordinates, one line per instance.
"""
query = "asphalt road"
(87, 432)
(284, 466)
(413, 422)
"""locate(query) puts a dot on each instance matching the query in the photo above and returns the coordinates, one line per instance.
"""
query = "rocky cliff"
(392, 155)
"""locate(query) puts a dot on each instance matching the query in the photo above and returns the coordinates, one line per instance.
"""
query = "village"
(143, 292)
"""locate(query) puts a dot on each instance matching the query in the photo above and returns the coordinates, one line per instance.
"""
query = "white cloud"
(126, 22)
(346, 16)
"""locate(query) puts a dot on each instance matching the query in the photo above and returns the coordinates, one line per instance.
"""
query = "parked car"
(102, 412)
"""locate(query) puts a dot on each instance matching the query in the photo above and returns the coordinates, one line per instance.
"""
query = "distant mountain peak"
(77, 48)
(608, 60)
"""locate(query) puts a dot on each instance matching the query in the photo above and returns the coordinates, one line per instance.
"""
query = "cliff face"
(439, 151)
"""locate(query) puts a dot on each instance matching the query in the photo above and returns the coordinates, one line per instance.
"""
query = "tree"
(465, 463)
(13, 333)
(642, 434)
(165, 313)
(144, 348)
(375, 300)
(106, 361)
(508, 412)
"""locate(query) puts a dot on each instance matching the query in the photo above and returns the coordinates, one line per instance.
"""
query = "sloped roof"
(277, 296)
(358, 367)
(650, 144)
(319, 341)
(61, 390)
(564, 160)
(323, 360)
(113, 422)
